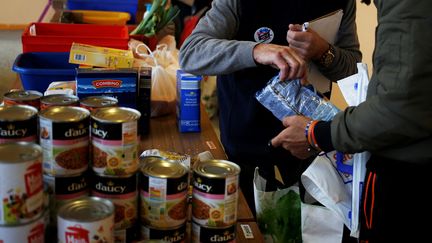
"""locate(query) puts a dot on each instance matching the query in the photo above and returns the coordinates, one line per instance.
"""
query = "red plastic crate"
(58, 37)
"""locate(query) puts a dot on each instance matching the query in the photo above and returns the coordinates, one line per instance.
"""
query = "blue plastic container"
(130, 6)
(38, 69)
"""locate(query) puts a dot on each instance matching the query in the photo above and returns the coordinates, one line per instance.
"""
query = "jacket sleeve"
(210, 49)
(347, 47)
(397, 112)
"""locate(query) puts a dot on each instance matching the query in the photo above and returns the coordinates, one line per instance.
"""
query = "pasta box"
(118, 83)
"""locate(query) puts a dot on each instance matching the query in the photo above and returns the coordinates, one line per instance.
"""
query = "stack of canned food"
(115, 145)
(164, 199)
(88, 161)
(21, 189)
(214, 201)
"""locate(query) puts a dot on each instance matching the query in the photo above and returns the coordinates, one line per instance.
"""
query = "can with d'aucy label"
(21, 186)
(201, 233)
(122, 192)
(98, 101)
(64, 189)
(215, 193)
(172, 234)
(163, 193)
(18, 123)
(114, 138)
(23, 97)
(32, 232)
(58, 100)
(64, 137)
(89, 219)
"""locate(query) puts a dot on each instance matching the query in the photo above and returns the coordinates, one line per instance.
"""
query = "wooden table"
(164, 135)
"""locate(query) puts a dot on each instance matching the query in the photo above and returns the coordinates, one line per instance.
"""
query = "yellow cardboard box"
(100, 56)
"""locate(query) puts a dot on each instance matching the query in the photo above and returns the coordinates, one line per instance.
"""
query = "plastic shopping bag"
(283, 217)
(164, 63)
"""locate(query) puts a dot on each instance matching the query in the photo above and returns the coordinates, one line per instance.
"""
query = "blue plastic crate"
(130, 6)
(38, 69)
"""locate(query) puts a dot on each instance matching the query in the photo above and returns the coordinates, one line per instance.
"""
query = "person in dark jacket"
(394, 124)
(246, 43)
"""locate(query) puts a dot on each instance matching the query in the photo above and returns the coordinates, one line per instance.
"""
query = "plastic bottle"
(148, 7)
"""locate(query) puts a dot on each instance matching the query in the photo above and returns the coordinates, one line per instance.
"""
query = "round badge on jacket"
(264, 35)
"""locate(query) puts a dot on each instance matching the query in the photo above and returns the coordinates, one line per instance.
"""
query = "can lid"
(64, 113)
(17, 112)
(99, 101)
(89, 209)
(23, 95)
(216, 168)
(59, 99)
(116, 114)
(162, 168)
(17, 152)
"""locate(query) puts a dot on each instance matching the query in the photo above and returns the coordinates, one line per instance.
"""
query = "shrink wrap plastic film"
(287, 98)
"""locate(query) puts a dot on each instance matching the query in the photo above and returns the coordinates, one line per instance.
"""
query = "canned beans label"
(164, 201)
(122, 192)
(214, 200)
(21, 190)
(115, 147)
(65, 146)
(33, 232)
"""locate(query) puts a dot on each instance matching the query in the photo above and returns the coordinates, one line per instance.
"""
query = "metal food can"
(126, 235)
(23, 97)
(86, 220)
(18, 123)
(114, 138)
(64, 137)
(99, 101)
(215, 193)
(21, 186)
(171, 234)
(64, 189)
(201, 233)
(163, 193)
(58, 100)
(32, 232)
(122, 192)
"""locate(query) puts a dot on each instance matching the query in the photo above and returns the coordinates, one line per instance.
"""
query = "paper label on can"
(21, 193)
(65, 146)
(164, 201)
(214, 200)
(33, 232)
(115, 148)
(71, 231)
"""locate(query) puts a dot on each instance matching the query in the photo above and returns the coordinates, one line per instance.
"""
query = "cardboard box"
(143, 100)
(118, 83)
(100, 56)
(188, 102)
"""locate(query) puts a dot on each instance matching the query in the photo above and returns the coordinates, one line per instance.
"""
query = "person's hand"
(308, 44)
(293, 138)
(290, 64)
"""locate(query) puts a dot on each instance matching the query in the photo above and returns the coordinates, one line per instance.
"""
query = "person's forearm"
(347, 47)
(210, 49)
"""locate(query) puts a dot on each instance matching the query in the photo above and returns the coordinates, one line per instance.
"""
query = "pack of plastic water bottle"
(289, 97)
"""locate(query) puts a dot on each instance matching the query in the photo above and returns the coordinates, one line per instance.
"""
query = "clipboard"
(327, 26)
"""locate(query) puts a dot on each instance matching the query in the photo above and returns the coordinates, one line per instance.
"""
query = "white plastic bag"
(164, 64)
(282, 217)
